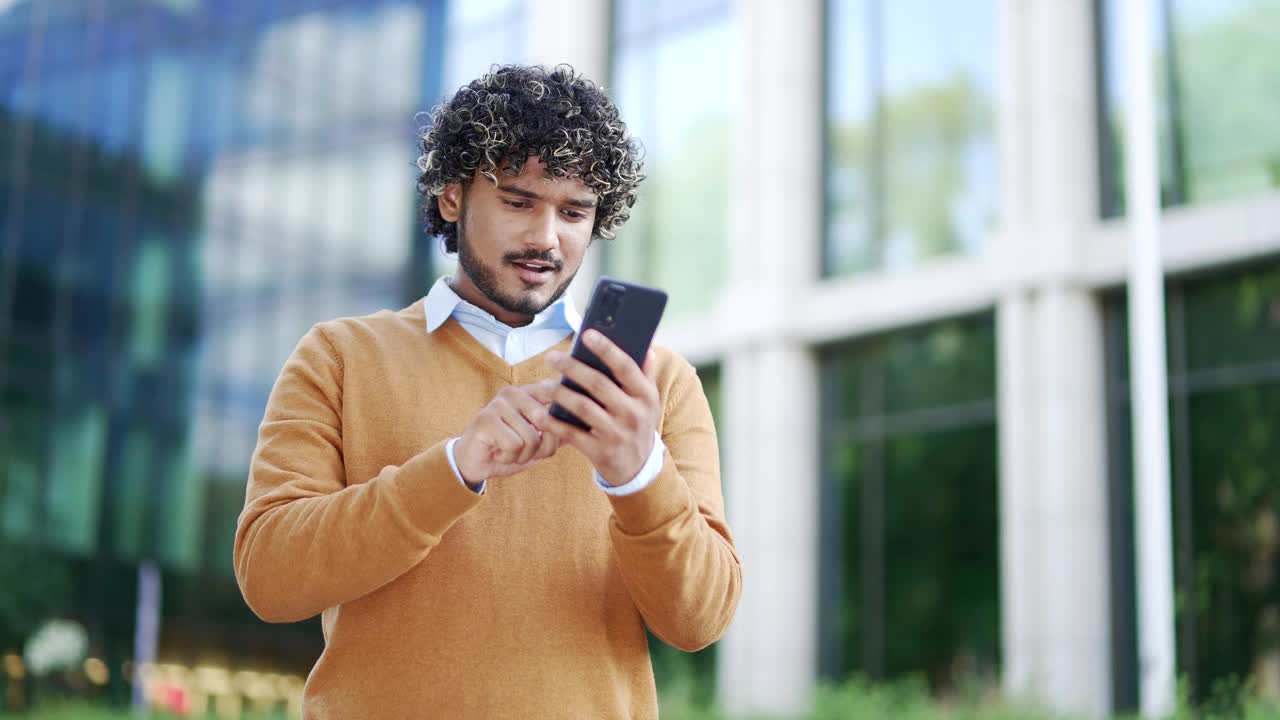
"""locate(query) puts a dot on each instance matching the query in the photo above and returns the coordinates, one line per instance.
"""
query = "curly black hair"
(495, 123)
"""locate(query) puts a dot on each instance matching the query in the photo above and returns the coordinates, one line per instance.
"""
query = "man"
(470, 555)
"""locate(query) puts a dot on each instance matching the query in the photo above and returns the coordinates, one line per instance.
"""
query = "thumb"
(651, 365)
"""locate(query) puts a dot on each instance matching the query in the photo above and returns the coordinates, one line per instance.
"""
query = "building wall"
(828, 268)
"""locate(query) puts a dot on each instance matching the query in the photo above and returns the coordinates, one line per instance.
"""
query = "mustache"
(544, 256)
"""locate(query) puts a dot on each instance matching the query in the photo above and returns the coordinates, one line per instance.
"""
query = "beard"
(485, 277)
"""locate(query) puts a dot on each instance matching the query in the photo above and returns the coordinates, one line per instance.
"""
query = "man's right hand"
(502, 439)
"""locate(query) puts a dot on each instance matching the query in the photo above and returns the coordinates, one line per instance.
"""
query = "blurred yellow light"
(288, 685)
(14, 667)
(213, 680)
(227, 707)
(254, 685)
(96, 670)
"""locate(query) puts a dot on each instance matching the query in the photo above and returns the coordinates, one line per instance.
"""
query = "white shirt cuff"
(651, 468)
(448, 450)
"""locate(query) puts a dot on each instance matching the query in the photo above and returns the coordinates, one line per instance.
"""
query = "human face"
(521, 242)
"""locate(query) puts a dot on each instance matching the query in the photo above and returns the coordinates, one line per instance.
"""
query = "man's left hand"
(624, 421)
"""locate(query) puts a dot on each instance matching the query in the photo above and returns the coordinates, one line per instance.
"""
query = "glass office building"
(893, 234)
(186, 187)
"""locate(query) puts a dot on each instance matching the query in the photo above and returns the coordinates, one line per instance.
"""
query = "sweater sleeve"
(672, 542)
(306, 540)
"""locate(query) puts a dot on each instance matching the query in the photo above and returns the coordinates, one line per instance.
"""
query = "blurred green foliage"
(36, 585)
(910, 699)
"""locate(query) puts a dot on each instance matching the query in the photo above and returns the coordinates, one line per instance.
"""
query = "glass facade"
(1224, 398)
(910, 515)
(1216, 64)
(674, 83)
(186, 187)
(910, 132)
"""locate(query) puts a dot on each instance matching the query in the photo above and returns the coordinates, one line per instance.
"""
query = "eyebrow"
(576, 202)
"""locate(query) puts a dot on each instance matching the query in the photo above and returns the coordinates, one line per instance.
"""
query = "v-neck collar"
(526, 371)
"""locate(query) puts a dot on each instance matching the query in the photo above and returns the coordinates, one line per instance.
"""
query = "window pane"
(950, 363)
(1226, 68)
(911, 131)
(942, 556)
(1224, 398)
(1234, 322)
(938, 102)
(671, 91)
(909, 448)
(851, 102)
(1215, 64)
(1235, 513)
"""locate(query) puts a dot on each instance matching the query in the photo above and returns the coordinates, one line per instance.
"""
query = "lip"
(533, 277)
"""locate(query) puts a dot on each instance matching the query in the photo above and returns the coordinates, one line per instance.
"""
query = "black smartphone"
(625, 313)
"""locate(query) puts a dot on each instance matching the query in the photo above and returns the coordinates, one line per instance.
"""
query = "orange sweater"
(529, 601)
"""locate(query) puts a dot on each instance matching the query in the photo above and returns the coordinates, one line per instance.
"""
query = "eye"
(516, 203)
(575, 214)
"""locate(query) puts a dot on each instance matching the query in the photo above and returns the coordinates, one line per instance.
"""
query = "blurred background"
(893, 235)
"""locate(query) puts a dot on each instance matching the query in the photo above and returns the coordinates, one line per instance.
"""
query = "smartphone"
(625, 313)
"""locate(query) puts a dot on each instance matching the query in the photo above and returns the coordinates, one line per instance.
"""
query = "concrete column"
(1053, 476)
(1020, 599)
(1074, 642)
(1053, 504)
(574, 32)
(569, 31)
(768, 660)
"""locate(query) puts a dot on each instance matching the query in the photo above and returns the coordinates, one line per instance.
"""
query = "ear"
(450, 202)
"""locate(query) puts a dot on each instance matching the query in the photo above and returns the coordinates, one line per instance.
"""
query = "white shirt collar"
(442, 301)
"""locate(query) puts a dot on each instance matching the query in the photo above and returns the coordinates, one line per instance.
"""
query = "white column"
(1149, 375)
(1055, 567)
(1055, 573)
(768, 660)
(569, 31)
(1073, 644)
(1020, 600)
(574, 32)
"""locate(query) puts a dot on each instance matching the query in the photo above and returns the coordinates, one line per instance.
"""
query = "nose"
(543, 234)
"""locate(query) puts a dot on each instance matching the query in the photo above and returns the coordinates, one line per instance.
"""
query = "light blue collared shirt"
(515, 345)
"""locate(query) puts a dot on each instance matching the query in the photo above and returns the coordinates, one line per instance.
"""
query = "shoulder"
(675, 375)
(385, 329)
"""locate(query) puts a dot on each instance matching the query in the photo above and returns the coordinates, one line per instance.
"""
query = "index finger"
(543, 391)
(629, 375)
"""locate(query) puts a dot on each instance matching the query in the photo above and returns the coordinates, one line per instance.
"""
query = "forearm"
(678, 561)
(298, 551)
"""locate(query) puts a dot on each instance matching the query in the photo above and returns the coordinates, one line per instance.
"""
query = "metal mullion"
(1177, 140)
(831, 527)
(878, 171)
(947, 417)
(873, 530)
(1183, 509)
(1229, 376)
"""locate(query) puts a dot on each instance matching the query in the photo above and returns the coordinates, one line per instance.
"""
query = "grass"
(909, 699)
(856, 699)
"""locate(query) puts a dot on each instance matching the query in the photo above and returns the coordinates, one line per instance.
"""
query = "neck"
(467, 290)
